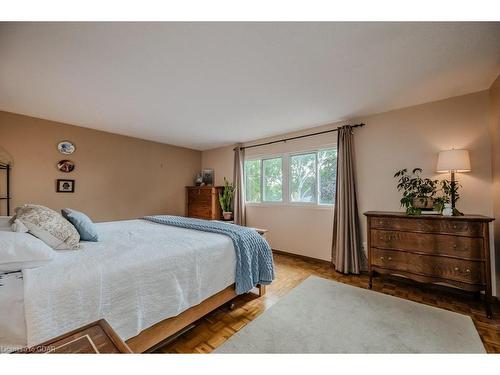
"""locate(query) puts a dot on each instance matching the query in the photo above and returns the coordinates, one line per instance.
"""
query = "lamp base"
(453, 184)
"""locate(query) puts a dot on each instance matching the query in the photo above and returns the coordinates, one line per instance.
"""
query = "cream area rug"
(325, 316)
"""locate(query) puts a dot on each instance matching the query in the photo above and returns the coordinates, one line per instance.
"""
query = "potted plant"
(418, 192)
(226, 200)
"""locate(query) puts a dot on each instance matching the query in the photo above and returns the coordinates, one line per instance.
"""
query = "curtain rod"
(300, 136)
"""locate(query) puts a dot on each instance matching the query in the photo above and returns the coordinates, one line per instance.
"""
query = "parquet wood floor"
(215, 328)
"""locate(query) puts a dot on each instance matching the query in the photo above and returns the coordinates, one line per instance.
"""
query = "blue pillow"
(82, 223)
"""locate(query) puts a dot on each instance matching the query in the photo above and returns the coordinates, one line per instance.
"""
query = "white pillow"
(5, 223)
(22, 250)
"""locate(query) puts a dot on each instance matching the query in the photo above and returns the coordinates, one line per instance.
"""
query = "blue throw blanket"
(254, 259)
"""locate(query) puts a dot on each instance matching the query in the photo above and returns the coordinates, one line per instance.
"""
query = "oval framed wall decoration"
(66, 147)
(66, 166)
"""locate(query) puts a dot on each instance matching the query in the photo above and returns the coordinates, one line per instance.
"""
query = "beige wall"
(409, 137)
(495, 137)
(117, 177)
(221, 161)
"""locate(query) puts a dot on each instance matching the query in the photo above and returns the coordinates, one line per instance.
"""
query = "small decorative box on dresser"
(202, 202)
(454, 250)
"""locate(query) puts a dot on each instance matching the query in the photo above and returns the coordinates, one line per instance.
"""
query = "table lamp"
(453, 161)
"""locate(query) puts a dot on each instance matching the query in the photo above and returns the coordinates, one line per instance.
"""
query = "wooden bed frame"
(161, 331)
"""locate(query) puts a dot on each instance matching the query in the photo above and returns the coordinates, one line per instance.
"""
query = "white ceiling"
(203, 85)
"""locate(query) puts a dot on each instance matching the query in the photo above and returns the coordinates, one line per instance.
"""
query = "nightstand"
(262, 232)
(94, 338)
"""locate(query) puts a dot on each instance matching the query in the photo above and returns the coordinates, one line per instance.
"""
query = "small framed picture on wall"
(65, 186)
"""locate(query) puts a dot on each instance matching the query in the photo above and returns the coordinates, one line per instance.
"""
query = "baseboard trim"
(303, 257)
(362, 272)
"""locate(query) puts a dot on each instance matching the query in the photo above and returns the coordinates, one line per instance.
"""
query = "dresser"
(202, 202)
(454, 250)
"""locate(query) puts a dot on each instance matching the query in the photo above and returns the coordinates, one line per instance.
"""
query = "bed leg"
(262, 290)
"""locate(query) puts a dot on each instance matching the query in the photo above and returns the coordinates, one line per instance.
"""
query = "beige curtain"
(239, 194)
(346, 249)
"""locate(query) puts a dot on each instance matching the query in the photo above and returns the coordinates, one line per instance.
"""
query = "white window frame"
(285, 157)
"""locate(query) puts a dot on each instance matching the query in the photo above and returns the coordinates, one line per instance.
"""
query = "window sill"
(309, 206)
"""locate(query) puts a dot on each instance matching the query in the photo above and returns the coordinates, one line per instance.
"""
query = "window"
(306, 178)
(303, 178)
(327, 170)
(252, 180)
(272, 180)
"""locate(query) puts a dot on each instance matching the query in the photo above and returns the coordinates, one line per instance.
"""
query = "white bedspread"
(137, 275)
(12, 326)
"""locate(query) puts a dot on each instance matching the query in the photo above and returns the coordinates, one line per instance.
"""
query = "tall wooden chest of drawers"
(202, 202)
(432, 249)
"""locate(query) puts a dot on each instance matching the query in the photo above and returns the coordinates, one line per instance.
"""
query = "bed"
(146, 279)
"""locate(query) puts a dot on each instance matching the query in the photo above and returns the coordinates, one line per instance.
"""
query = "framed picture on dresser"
(208, 176)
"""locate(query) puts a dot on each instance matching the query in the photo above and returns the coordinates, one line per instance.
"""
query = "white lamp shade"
(453, 161)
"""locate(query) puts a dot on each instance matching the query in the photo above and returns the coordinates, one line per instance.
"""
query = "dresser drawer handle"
(381, 258)
(389, 258)
(467, 270)
(456, 268)
(381, 238)
(454, 227)
(455, 246)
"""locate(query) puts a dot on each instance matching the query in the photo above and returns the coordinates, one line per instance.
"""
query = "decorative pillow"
(22, 250)
(49, 226)
(82, 223)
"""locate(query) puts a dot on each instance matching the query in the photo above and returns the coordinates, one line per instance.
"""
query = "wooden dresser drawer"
(198, 212)
(435, 266)
(447, 268)
(454, 227)
(395, 260)
(458, 246)
(199, 196)
(199, 203)
(202, 202)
